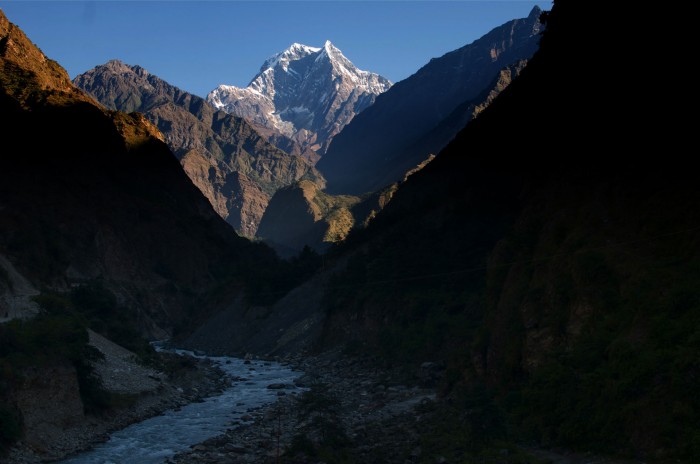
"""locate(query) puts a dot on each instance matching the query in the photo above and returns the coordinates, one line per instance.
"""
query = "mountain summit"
(306, 93)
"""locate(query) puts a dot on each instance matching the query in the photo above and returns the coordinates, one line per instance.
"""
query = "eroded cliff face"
(236, 198)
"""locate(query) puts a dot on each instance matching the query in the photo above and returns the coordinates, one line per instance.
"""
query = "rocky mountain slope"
(306, 93)
(229, 161)
(415, 117)
(304, 215)
(555, 292)
(99, 196)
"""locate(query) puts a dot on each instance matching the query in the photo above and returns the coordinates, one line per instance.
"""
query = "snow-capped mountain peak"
(329, 47)
(331, 52)
(307, 93)
(295, 52)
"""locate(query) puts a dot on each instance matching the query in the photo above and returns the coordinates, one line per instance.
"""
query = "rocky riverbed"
(349, 411)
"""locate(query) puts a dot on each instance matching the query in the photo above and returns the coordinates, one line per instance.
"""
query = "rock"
(430, 373)
(277, 386)
(301, 382)
(230, 447)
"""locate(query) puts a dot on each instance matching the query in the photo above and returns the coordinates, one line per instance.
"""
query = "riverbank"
(179, 380)
(351, 411)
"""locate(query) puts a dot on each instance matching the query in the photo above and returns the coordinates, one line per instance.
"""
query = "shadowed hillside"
(399, 130)
(93, 195)
(541, 256)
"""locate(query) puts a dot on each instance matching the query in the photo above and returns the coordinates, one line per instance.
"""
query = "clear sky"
(197, 45)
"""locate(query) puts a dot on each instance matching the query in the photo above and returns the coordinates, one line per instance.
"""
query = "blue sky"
(197, 45)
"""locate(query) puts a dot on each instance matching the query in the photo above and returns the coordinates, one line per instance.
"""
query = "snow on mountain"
(306, 93)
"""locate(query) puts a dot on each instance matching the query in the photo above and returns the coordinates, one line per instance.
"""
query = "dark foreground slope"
(542, 257)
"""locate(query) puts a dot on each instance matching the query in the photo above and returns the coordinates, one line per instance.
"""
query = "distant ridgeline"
(421, 114)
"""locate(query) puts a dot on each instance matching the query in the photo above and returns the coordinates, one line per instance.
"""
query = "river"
(158, 438)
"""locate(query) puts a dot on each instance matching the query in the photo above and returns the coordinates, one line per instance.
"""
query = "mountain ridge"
(214, 148)
(380, 144)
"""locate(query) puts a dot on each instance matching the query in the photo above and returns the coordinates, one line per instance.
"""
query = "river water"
(156, 439)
